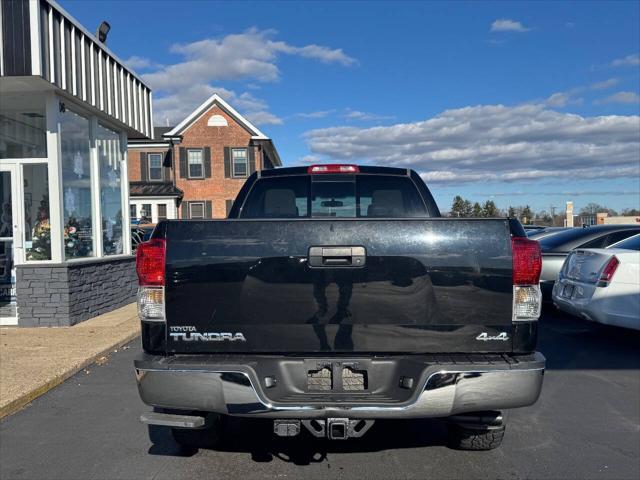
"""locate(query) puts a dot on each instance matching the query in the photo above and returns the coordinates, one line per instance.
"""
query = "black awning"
(154, 189)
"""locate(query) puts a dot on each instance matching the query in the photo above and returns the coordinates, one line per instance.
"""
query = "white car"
(602, 284)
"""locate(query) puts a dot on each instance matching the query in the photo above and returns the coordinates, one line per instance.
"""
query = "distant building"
(196, 169)
(620, 220)
(591, 219)
(603, 218)
(568, 222)
(153, 195)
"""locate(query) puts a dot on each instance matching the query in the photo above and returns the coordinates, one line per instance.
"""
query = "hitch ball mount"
(331, 428)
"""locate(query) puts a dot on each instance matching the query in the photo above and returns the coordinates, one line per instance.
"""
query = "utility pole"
(553, 215)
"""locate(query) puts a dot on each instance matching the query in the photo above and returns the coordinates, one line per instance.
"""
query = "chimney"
(568, 222)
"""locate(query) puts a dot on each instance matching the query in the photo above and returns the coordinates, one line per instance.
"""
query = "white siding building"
(67, 106)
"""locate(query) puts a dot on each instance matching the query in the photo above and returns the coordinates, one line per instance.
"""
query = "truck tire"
(208, 437)
(464, 438)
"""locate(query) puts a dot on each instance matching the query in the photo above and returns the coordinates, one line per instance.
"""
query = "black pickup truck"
(332, 296)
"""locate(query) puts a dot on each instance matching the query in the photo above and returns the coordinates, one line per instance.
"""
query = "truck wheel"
(465, 438)
(208, 437)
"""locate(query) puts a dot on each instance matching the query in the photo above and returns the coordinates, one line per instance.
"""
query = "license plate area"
(336, 376)
(336, 380)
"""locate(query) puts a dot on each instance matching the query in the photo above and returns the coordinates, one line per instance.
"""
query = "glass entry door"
(8, 235)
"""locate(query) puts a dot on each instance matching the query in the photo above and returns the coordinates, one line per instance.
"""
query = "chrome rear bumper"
(444, 390)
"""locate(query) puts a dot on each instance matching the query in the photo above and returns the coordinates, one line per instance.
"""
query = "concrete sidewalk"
(34, 360)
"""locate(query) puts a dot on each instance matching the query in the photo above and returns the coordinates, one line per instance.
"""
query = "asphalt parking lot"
(585, 425)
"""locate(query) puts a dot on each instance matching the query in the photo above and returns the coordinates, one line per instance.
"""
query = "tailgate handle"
(337, 257)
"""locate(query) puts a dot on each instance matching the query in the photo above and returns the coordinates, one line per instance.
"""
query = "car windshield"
(631, 243)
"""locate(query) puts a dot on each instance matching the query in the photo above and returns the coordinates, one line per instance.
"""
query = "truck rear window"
(338, 196)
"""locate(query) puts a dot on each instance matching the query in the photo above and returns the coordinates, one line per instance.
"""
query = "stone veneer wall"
(58, 295)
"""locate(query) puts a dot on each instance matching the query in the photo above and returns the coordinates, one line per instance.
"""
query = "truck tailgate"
(421, 285)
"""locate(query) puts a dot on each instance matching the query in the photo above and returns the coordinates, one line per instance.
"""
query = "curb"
(26, 398)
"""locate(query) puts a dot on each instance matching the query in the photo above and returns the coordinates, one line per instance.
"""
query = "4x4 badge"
(484, 337)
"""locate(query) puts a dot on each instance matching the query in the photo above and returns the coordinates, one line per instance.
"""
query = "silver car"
(602, 284)
(556, 247)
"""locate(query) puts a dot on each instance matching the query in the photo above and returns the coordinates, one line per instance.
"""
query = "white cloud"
(172, 109)
(493, 142)
(308, 159)
(564, 193)
(570, 97)
(621, 97)
(611, 82)
(316, 114)
(140, 63)
(559, 99)
(251, 56)
(628, 61)
(248, 55)
(358, 115)
(324, 54)
(263, 118)
(508, 25)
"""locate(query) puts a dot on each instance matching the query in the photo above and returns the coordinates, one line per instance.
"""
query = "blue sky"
(525, 103)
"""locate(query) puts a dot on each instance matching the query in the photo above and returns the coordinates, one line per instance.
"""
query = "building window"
(240, 166)
(132, 211)
(76, 186)
(145, 213)
(155, 166)
(196, 210)
(217, 121)
(196, 169)
(37, 228)
(23, 133)
(162, 211)
(109, 160)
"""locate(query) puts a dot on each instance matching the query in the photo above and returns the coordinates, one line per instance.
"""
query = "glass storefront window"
(109, 159)
(76, 185)
(23, 120)
(37, 228)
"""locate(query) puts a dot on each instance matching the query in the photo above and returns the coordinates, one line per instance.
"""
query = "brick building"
(196, 169)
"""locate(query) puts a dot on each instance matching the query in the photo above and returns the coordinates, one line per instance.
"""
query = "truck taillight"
(151, 304)
(527, 261)
(150, 261)
(150, 258)
(527, 265)
(607, 274)
(333, 168)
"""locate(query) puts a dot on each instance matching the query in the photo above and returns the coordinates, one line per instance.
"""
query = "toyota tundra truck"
(334, 296)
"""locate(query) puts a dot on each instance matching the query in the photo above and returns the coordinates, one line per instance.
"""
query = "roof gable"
(216, 99)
